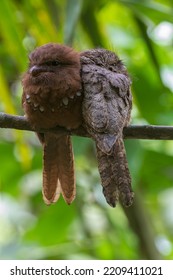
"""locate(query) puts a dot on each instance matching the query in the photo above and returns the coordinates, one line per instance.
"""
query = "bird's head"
(52, 64)
(103, 58)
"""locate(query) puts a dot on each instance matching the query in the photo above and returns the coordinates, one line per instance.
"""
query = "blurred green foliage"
(141, 32)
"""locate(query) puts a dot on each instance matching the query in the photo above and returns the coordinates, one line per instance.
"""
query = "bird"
(106, 108)
(52, 97)
(88, 89)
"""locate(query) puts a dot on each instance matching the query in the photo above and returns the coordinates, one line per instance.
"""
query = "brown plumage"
(107, 105)
(52, 97)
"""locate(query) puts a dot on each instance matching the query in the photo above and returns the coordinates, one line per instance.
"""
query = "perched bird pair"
(66, 88)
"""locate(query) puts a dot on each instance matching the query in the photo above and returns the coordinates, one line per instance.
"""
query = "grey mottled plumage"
(107, 105)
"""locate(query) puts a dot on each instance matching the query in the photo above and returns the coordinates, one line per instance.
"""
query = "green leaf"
(90, 24)
(53, 224)
(73, 11)
(12, 32)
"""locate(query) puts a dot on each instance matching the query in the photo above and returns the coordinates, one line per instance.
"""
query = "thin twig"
(155, 132)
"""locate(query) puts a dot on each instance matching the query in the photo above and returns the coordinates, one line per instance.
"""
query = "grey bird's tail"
(115, 175)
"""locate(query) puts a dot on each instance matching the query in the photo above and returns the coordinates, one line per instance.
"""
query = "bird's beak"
(37, 69)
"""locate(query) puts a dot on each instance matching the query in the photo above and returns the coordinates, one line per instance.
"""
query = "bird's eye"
(111, 68)
(55, 63)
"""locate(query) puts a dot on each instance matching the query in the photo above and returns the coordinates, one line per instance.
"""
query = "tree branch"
(130, 132)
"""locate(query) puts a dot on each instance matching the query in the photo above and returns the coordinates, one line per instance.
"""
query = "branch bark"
(154, 132)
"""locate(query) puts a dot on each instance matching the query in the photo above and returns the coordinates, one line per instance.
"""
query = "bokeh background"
(141, 32)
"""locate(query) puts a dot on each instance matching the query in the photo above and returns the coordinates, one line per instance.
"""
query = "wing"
(106, 104)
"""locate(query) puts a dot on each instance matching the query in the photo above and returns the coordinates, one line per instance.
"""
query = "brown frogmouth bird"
(52, 97)
(70, 89)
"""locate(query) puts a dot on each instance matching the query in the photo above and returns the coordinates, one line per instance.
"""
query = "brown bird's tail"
(115, 176)
(58, 168)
